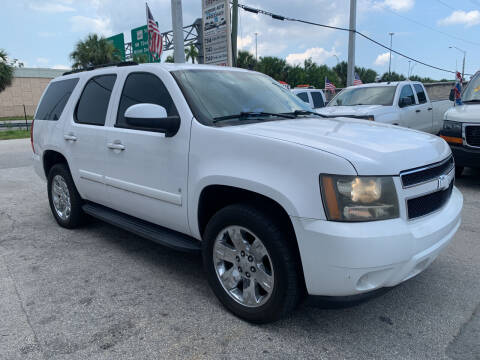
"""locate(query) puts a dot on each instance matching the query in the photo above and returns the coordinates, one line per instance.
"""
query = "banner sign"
(217, 41)
(140, 43)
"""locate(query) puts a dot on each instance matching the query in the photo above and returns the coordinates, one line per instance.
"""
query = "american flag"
(155, 40)
(329, 85)
(357, 80)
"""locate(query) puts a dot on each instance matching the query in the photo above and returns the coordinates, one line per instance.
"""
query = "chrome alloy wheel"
(61, 197)
(243, 266)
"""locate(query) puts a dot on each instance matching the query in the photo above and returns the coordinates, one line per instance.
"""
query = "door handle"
(116, 146)
(429, 109)
(418, 110)
(70, 137)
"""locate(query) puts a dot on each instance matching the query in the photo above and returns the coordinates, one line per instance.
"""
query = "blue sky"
(43, 33)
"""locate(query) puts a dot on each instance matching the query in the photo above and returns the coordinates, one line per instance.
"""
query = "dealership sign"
(217, 45)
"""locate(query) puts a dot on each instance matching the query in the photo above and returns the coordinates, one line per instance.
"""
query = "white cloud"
(243, 42)
(50, 7)
(382, 59)
(396, 5)
(460, 17)
(92, 25)
(42, 61)
(317, 54)
(61, 67)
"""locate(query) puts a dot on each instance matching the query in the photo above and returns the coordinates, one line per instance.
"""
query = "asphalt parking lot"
(101, 293)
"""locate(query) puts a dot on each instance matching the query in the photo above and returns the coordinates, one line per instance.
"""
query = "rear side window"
(422, 99)
(303, 96)
(317, 99)
(144, 88)
(55, 99)
(93, 104)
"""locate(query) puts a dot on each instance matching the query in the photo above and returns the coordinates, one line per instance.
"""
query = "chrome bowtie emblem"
(443, 182)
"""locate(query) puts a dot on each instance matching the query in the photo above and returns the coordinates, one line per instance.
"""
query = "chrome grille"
(472, 135)
(425, 174)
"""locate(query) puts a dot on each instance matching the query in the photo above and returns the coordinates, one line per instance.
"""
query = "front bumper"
(465, 156)
(341, 259)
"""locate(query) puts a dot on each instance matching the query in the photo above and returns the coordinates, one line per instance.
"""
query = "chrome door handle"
(116, 146)
(430, 109)
(70, 137)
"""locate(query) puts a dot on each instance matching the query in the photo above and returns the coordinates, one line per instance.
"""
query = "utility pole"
(234, 31)
(256, 47)
(177, 27)
(390, 57)
(351, 43)
(464, 55)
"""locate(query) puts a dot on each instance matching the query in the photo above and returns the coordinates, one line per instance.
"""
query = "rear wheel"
(65, 201)
(458, 171)
(251, 264)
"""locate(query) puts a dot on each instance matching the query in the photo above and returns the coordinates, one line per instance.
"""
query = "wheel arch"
(52, 157)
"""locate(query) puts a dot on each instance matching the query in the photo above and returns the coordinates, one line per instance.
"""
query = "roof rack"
(93, 67)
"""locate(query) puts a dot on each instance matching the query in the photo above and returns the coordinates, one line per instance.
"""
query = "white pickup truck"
(403, 103)
(224, 162)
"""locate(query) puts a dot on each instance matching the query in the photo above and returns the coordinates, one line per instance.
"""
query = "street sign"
(140, 43)
(118, 42)
(217, 46)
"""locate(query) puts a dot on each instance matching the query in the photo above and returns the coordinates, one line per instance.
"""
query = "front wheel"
(251, 264)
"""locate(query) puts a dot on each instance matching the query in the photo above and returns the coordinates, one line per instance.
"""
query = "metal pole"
(177, 27)
(256, 47)
(199, 27)
(463, 66)
(234, 31)
(351, 43)
(390, 57)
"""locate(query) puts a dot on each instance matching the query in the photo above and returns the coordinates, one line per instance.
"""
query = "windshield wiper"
(471, 101)
(250, 114)
(305, 112)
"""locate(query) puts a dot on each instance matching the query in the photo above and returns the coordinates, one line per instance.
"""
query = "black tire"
(287, 290)
(458, 171)
(77, 215)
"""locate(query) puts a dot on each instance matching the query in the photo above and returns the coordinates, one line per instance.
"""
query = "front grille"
(427, 173)
(472, 135)
(427, 204)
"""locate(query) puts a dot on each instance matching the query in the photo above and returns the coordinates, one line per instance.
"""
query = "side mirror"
(451, 97)
(406, 101)
(152, 117)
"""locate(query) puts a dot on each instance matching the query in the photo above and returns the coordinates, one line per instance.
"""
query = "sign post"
(217, 42)
(140, 43)
(118, 41)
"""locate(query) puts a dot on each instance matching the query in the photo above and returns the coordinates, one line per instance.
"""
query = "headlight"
(359, 198)
(452, 128)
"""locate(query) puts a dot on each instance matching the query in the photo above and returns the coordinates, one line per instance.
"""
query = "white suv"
(281, 201)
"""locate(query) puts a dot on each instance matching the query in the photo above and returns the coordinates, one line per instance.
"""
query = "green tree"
(94, 50)
(366, 75)
(191, 52)
(392, 77)
(246, 60)
(272, 66)
(169, 59)
(140, 58)
(6, 71)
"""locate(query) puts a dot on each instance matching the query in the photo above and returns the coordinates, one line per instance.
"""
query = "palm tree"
(94, 50)
(6, 71)
(246, 60)
(169, 59)
(191, 53)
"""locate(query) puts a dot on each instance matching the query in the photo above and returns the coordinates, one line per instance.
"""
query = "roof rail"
(93, 67)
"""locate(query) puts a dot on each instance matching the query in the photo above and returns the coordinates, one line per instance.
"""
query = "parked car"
(461, 128)
(315, 98)
(404, 103)
(280, 201)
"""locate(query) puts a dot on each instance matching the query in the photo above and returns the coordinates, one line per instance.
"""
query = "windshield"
(472, 91)
(378, 95)
(214, 94)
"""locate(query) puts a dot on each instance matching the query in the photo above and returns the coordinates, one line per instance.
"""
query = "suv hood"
(352, 110)
(372, 148)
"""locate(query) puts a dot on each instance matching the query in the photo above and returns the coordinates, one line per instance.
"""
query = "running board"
(156, 233)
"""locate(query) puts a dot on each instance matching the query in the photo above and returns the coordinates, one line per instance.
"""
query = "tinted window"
(93, 104)
(303, 96)
(317, 99)
(55, 99)
(144, 88)
(368, 95)
(407, 92)
(422, 99)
